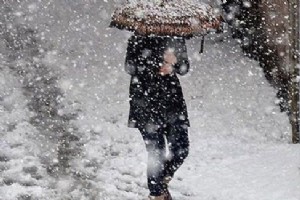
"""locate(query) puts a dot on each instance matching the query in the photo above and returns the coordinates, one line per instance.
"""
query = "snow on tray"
(171, 9)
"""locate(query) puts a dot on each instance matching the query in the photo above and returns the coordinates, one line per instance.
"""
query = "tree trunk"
(294, 68)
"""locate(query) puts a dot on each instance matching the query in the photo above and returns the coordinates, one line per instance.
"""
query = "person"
(157, 106)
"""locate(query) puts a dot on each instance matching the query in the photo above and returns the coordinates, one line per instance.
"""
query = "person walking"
(157, 106)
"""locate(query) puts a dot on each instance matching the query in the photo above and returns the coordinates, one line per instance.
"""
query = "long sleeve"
(131, 56)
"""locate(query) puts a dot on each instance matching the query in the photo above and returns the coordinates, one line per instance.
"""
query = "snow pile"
(21, 170)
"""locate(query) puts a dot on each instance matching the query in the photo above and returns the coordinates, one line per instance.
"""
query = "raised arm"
(131, 59)
(178, 46)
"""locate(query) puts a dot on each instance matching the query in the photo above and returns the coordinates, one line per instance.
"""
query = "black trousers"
(167, 148)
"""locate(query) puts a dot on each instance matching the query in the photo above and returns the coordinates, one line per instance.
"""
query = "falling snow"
(64, 108)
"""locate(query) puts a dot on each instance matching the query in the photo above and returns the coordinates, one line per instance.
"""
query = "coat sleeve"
(131, 56)
(182, 66)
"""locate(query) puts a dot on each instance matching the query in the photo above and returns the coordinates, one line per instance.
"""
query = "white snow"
(175, 8)
(240, 141)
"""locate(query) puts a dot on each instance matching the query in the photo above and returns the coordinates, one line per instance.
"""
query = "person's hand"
(169, 60)
(166, 69)
(169, 57)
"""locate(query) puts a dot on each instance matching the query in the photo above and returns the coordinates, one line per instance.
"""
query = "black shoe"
(168, 195)
(167, 192)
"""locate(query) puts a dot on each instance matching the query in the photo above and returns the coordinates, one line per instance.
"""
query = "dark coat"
(155, 100)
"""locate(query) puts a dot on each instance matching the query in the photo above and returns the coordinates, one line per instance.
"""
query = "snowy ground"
(239, 139)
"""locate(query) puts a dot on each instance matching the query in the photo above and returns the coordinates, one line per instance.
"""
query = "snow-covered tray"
(174, 17)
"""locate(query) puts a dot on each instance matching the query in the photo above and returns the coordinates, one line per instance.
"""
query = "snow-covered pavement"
(239, 138)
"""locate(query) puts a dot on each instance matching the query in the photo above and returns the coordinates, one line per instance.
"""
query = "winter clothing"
(157, 106)
(155, 100)
(161, 165)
